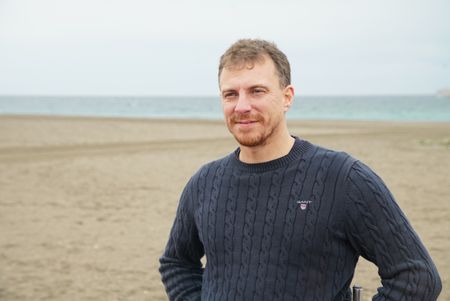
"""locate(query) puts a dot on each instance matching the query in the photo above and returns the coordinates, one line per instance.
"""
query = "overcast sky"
(134, 47)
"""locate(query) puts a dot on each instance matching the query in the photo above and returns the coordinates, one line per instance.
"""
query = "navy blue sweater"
(292, 229)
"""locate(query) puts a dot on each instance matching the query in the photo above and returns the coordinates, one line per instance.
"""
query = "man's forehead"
(237, 74)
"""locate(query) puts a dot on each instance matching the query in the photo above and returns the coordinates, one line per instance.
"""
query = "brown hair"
(250, 51)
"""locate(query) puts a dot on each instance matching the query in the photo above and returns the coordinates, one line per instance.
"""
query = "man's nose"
(243, 104)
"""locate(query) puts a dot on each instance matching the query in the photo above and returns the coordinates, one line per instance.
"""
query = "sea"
(431, 108)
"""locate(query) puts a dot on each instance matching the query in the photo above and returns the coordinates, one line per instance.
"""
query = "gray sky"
(172, 47)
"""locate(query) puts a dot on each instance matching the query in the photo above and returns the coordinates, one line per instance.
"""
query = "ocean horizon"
(432, 108)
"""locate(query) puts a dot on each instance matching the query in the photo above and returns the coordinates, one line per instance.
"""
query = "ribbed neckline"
(299, 148)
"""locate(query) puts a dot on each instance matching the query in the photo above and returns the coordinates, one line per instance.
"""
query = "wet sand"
(86, 204)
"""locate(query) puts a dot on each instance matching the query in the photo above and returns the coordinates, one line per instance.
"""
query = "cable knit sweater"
(292, 229)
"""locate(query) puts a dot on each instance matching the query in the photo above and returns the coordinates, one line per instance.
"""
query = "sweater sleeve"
(379, 231)
(180, 266)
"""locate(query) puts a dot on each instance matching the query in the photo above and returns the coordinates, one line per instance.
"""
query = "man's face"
(253, 102)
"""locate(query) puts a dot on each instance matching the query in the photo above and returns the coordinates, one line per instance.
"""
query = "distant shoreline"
(203, 120)
(364, 108)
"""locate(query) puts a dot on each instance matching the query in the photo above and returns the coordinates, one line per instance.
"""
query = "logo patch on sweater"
(304, 204)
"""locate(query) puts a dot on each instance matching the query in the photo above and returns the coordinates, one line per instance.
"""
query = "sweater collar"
(299, 148)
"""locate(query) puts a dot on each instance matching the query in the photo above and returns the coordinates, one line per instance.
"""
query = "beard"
(250, 140)
(255, 136)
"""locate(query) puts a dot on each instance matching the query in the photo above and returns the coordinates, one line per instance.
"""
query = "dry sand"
(86, 204)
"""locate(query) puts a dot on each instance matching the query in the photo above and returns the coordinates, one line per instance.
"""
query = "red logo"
(304, 204)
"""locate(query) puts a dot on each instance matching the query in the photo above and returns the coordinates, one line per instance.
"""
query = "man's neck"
(271, 150)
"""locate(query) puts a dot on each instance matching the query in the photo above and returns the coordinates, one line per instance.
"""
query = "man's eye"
(258, 91)
(229, 95)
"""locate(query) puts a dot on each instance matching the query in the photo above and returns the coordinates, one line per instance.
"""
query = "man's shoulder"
(318, 152)
(211, 167)
(348, 165)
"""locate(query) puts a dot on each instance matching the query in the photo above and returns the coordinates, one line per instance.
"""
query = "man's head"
(254, 80)
(247, 52)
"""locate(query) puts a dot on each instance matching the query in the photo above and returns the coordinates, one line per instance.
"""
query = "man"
(281, 218)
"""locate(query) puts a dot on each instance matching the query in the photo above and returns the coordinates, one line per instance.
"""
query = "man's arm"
(180, 266)
(380, 232)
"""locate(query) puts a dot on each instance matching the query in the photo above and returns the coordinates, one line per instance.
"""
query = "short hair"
(247, 51)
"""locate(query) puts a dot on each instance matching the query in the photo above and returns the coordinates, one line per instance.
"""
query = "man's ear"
(288, 97)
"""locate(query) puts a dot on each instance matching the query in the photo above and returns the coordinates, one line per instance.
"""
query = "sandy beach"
(86, 204)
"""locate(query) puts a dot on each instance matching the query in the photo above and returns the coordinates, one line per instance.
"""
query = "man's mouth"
(245, 121)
